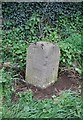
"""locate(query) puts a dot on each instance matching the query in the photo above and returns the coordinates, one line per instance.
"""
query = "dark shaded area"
(18, 13)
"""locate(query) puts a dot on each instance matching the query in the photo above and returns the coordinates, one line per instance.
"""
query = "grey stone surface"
(42, 63)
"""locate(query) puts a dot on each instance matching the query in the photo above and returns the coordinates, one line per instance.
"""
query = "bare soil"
(66, 80)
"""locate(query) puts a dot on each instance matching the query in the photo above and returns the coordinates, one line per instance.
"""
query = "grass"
(66, 105)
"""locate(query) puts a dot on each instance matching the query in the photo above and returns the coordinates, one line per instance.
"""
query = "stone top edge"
(42, 42)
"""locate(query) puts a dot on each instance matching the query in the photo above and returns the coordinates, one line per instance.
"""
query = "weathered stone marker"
(42, 64)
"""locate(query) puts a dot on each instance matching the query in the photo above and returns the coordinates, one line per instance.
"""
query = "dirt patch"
(66, 80)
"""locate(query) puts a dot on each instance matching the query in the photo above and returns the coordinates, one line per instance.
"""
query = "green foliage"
(16, 40)
(66, 105)
(70, 30)
(14, 46)
(69, 24)
(19, 13)
(64, 30)
(50, 34)
(36, 30)
(71, 51)
(31, 28)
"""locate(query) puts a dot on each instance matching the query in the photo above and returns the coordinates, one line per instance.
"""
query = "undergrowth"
(67, 34)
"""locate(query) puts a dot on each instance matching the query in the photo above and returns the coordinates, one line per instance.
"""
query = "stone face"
(42, 64)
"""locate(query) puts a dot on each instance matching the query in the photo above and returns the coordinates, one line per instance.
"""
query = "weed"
(66, 105)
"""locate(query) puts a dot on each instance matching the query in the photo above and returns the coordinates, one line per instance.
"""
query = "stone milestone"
(42, 63)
